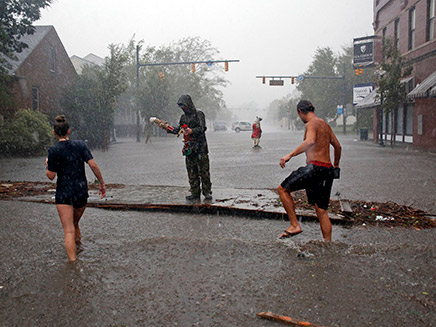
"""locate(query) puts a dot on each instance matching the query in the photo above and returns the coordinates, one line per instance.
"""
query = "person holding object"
(193, 126)
(317, 176)
(257, 132)
(66, 160)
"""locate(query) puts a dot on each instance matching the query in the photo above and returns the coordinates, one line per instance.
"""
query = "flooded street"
(171, 269)
(157, 269)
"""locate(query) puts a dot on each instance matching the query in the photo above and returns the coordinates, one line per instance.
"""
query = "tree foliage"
(16, 18)
(160, 86)
(91, 102)
(28, 133)
(326, 94)
(390, 90)
(389, 74)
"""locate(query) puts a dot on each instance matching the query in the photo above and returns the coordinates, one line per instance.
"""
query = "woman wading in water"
(67, 159)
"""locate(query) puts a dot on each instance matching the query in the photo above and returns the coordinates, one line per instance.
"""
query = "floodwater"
(169, 269)
(160, 269)
(369, 173)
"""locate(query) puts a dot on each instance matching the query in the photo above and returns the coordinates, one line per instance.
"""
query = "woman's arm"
(50, 174)
(94, 167)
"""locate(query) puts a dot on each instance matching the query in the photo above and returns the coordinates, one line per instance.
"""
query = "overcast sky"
(269, 37)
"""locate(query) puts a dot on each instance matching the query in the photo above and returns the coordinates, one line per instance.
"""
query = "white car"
(238, 126)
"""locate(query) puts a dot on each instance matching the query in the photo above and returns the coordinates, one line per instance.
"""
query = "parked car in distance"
(219, 126)
(238, 126)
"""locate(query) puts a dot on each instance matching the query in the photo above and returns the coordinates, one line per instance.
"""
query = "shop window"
(409, 119)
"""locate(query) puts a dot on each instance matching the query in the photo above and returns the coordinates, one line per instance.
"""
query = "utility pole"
(192, 63)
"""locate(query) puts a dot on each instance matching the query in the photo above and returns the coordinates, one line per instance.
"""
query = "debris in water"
(285, 319)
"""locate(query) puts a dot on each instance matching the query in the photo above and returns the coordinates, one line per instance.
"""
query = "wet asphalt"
(170, 269)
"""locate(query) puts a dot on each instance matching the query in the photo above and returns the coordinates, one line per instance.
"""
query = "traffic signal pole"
(300, 78)
(192, 63)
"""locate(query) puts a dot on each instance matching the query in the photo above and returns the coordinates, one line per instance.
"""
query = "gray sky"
(269, 37)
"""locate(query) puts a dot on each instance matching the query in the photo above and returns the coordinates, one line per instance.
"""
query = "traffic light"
(292, 80)
(263, 79)
(193, 68)
(226, 66)
(358, 71)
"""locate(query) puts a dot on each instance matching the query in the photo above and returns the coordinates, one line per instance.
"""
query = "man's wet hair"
(305, 106)
(61, 125)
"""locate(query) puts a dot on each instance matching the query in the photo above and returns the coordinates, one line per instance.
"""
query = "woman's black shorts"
(75, 201)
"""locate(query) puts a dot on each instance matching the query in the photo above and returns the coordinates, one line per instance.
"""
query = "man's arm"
(337, 149)
(309, 141)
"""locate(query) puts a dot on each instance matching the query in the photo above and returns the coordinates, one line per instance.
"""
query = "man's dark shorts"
(75, 201)
(316, 180)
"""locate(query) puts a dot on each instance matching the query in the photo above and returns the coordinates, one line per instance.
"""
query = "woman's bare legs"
(66, 214)
(78, 213)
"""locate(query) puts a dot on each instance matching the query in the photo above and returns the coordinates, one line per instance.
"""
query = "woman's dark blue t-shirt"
(67, 159)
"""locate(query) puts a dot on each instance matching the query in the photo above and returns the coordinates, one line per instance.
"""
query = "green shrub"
(27, 133)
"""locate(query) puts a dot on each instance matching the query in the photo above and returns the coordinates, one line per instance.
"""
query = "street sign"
(340, 110)
(276, 82)
(209, 63)
(300, 77)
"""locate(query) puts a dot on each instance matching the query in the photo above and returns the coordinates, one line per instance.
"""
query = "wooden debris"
(284, 319)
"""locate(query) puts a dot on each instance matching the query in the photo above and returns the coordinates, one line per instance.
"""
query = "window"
(409, 119)
(52, 59)
(430, 19)
(35, 98)
(397, 33)
(412, 15)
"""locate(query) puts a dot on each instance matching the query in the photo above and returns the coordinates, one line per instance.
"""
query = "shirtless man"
(317, 176)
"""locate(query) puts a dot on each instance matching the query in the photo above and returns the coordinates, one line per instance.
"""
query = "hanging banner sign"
(363, 52)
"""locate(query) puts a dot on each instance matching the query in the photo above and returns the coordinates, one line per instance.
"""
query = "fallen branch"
(285, 319)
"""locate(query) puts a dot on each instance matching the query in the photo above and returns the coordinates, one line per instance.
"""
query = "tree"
(91, 102)
(16, 18)
(325, 94)
(161, 86)
(390, 90)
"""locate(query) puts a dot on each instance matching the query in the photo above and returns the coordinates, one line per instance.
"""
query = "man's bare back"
(320, 150)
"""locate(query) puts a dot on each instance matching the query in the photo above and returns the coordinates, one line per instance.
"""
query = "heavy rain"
(160, 249)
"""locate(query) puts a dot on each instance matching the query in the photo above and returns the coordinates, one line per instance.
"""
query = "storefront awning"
(423, 89)
(370, 101)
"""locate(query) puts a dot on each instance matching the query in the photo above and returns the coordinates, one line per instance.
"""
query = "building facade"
(41, 72)
(411, 25)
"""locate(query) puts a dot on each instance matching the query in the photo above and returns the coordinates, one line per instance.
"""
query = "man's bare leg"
(325, 223)
(66, 215)
(288, 204)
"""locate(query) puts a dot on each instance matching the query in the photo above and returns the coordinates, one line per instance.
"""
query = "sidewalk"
(255, 203)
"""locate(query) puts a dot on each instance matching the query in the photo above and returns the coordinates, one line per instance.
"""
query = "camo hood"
(187, 101)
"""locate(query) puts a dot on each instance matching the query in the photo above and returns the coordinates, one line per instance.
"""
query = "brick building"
(41, 72)
(411, 25)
